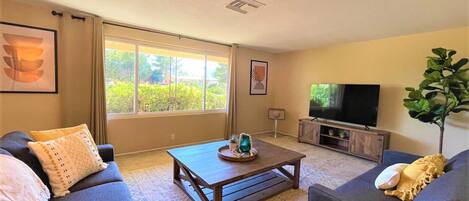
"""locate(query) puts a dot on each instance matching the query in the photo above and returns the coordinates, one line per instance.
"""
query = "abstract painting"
(259, 74)
(28, 62)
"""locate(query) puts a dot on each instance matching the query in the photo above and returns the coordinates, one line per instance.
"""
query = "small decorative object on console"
(342, 134)
(331, 132)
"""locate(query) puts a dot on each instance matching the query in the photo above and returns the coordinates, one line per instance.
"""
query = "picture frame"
(258, 77)
(28, 62)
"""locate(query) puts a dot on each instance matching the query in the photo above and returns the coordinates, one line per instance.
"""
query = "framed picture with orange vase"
(259, 75)
(28, 62)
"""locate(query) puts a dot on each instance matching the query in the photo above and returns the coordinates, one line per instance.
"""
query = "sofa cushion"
(451, 186)
(110, 174)
(359, 190)
(5, 152)
(104, 192)
(460, 160)
(16, 143)
(371, 175)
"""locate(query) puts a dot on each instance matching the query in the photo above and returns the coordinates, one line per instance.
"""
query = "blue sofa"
(106, 185)
(452, 186)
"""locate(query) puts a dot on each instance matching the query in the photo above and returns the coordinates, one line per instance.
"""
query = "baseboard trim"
(287, 133)
(271, 132)
(201, 142)
(168, 147)
(261, 132)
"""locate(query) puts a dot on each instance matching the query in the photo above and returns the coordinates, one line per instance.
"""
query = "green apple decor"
(443, 91)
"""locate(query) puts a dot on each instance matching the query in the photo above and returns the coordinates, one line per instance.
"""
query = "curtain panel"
(98, 97)
(231, 126)
(81, 74)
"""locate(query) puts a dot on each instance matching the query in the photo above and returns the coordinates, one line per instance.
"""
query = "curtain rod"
(60, 14)
(162, 32)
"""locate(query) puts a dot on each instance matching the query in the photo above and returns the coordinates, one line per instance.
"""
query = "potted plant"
(443, 91)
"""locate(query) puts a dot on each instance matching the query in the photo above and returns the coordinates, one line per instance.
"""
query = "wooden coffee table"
(203, 176)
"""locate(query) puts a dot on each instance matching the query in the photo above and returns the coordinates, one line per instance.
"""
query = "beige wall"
(71, 106)
(145, 133)
(394, 63)
(252, 109)
(28, 111)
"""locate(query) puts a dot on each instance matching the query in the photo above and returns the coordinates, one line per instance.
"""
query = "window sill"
(162, 114)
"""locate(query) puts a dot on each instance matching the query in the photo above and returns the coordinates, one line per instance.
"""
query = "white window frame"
(135, 113)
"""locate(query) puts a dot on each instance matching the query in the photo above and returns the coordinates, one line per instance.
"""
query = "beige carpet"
(149, 174)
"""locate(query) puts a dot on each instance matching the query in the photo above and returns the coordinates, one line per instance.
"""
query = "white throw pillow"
(18, 182)
(67, 160)
(389, 177)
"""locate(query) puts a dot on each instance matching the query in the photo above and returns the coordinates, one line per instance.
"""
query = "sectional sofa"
(106, 185)
(452, 186)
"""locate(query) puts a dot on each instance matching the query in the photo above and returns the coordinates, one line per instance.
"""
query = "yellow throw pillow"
(417, 176)
(46, 135)
(67, 160)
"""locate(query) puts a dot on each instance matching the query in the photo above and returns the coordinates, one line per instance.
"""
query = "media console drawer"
(362, 142)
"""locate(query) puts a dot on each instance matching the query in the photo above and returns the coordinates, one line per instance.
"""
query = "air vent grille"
(237, 5)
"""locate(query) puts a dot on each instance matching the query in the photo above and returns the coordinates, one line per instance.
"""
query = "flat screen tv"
(352, 103)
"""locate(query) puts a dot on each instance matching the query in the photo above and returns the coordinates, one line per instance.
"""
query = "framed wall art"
(28, 59)
(259, 75)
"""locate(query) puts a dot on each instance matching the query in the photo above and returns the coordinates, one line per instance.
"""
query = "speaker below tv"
(351, 103)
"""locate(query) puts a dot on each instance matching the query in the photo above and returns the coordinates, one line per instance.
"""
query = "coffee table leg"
(296, 175)
(218, 193)
(176, 171)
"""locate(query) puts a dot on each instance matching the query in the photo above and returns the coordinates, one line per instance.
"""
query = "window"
(149, 79)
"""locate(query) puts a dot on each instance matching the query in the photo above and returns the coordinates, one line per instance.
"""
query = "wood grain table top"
(202, 161)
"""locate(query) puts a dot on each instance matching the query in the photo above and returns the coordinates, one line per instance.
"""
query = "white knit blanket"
(18, 182)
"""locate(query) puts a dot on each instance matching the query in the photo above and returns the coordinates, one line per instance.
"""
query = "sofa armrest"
(392, 157)
(318, 192)
(106, 151)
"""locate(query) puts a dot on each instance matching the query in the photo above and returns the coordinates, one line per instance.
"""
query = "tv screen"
(352, 103)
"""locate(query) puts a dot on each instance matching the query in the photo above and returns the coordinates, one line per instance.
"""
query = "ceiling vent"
(237, 5)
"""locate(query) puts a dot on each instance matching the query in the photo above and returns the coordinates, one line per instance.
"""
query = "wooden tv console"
(358, 141)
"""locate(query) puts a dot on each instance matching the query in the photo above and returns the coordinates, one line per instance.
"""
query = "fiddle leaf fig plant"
(444, 90)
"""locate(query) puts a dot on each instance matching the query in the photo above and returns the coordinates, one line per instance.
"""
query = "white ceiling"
(283, 25)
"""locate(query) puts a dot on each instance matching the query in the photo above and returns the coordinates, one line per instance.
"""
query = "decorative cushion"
(46, 135)
(18, 182)
(389, 177)
(417, 176)
(67, 160)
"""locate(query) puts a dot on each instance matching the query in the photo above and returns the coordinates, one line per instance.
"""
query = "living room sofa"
(452, 186)
(105, 185)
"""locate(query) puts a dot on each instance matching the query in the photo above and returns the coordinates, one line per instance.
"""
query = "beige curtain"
(74, 47)
(231, 113)
(98, 118)
(81, 74)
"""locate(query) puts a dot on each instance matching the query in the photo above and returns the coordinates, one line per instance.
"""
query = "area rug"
(149, 174)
